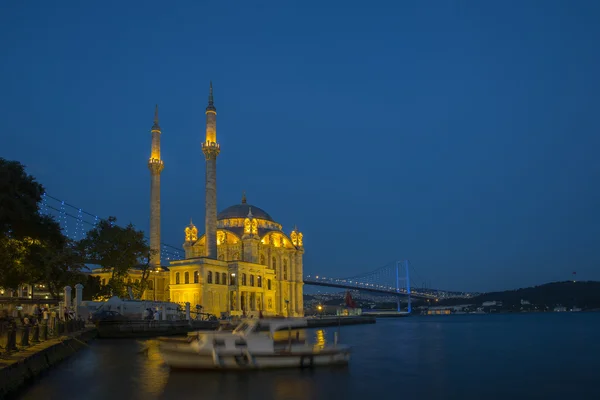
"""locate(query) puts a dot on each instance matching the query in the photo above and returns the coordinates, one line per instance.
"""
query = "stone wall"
(22, 367)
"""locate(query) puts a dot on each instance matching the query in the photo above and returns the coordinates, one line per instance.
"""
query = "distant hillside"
(585, 295)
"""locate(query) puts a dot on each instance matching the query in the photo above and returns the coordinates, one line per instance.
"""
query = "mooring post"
(67, 296)
(78, 298)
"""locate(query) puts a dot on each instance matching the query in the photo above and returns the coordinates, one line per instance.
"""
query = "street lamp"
(233, 282)
(320, 309)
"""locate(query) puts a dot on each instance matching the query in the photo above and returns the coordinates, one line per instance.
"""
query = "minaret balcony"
(210, 145)
(155, 165)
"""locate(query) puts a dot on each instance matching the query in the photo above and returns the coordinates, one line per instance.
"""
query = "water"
(511, 356)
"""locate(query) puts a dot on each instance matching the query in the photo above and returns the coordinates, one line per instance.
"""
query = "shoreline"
(20, 368)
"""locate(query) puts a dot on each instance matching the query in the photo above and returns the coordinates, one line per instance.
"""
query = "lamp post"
(234, 284)
(320, 310)
(287, 307)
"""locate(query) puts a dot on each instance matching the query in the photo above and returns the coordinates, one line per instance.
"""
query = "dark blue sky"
(461, 135)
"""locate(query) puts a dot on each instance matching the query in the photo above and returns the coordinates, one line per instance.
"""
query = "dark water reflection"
(533, 356)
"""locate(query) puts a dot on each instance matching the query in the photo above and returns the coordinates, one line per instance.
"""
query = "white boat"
(254, 344)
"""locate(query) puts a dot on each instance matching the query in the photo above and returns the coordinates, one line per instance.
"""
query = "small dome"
(241, 211)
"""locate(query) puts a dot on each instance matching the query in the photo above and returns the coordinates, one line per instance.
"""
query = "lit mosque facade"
(244, 264)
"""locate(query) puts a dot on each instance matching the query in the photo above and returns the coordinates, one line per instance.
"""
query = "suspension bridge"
(393, 279)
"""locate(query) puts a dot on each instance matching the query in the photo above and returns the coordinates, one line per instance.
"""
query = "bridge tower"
(211, 151)
(398, 272)
(156, 166)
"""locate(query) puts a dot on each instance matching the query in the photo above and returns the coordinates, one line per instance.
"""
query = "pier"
(147, 329)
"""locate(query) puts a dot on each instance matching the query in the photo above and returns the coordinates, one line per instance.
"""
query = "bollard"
(23, 336)
(35, 336)
(11, 344)
(44, 332)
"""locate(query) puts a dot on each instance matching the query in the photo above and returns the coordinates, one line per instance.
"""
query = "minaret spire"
(156, 126)
(211, 150)
(211, 100)
(244, 197)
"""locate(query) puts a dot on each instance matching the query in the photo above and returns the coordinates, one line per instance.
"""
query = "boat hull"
(184, 359)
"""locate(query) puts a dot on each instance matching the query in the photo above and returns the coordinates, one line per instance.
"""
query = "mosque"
(244, 263)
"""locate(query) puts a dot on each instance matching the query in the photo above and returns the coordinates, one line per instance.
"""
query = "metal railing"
(15, 335)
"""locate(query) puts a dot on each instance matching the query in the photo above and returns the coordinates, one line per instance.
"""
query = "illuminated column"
(250, 238)
(211, 150)
(155, 165)
(298, 241)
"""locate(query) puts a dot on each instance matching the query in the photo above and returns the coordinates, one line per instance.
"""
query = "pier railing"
(16, 335)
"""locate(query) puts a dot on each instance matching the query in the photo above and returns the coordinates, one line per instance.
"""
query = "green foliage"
(32, 247)
(117, 249)
(20, 194)
(94, 290)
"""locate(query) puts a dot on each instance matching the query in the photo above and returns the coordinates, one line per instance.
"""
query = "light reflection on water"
(466, 357)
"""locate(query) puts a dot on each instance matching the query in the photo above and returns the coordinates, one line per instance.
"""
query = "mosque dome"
(241, 211)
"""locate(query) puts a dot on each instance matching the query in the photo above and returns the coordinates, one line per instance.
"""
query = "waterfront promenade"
(25, 353)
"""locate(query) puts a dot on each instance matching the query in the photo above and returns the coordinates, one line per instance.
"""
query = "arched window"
(186, 277)
(150, 285)
(259, 281)
(177, 281)
(196, 276)
(285, 270)
(243, 279)
(274, 266)
(209, 277)
(217, 278)
(224, 278)
(262, 259)
(232, 280)
(251, 280)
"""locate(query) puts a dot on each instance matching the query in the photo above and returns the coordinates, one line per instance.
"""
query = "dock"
(148, 329)
(386, 314)
(323, 322)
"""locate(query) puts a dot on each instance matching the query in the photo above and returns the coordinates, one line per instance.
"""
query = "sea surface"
(497, 356)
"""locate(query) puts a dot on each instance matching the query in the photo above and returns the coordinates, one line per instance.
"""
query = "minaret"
(211, 150)
(155, 165)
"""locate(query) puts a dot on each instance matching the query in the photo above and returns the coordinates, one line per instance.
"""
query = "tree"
(20, 195)
(94, 290)
(117, 250)
(33, 248)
